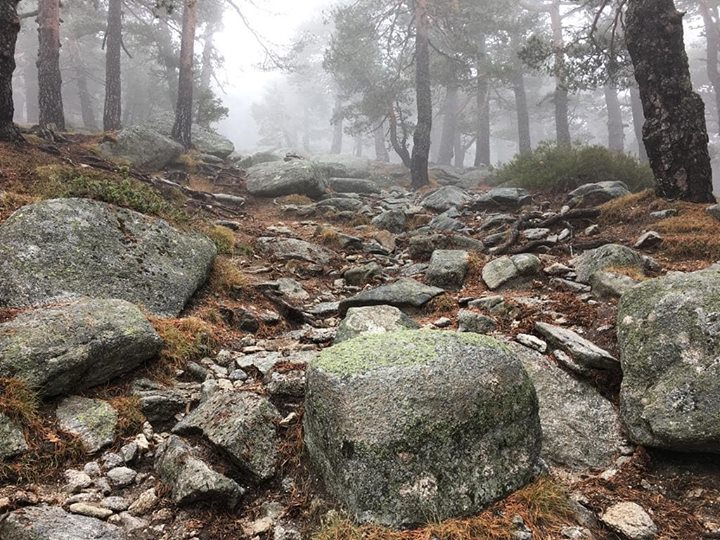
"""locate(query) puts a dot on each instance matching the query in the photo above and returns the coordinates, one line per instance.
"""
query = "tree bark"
(421, 138)
(9, 28)
(86, 101)
(482, 146)
(182, 130)
(459, 150)
(49, 77)
(112, 116)
(381, 151)
(447, 141)
(562, 122)
(523, 114)
(675, 132)
(399, 147)
(638, 122)
(712, 33)
(337, 140)
(616, 129)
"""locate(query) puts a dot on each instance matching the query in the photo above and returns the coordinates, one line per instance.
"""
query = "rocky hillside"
(285, 348)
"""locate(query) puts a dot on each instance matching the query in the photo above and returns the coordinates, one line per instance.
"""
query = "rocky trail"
(266, 347)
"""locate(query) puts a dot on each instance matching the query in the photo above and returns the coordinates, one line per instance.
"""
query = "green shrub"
(561, 168)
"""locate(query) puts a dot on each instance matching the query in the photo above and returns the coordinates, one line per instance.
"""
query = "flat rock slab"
(581, 429)
(241, 425)
(504, 198)
(54, 523)
(77, 346)
(583, 351)
(405, 292)
(373, 320)
(93, 421)
(293, 249)
(281, 178)
(68, 248)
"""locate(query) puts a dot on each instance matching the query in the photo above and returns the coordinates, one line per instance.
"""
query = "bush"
(561, 168)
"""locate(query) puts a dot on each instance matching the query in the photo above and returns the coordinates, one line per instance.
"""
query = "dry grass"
(19, 401)
(692, 235)
(11, 201)
(543, 505)
(226, 278)
(184, 340)
(295, 200)
(223, 238)
(441, 305)
(328, 237)
(629, 271)
(130, 416)
(417, 221)
(476, 263)
(632, 208)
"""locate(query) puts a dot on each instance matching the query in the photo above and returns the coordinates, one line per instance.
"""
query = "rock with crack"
(53, 523)
(373, 320)
(583, 351)
(403, 293)
(159, 404)
(293, 249)
(69, 248)
(505, 270)
(93, 421)
(609, 256)
(12, 438)
(448, 269)
(413, 426)
(281, 178)
(76, 346)
(581, 429)
(668, 331)
(445, 198)
(191, 479)
(242, 426)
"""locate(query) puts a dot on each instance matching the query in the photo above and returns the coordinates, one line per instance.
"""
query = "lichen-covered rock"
(76, 346)
(280, 178)
(204, 140)
(605, 257)
(144, 148)
(404, 292)
(241, 425)
(445, 198)
(413, 426)
(504, 270)
(191, 479)
(669, 337)
(54, 523)
(503, 198)
(12, 438)
(448, 269)
(373, 320)
(68, 248)
(93, 421)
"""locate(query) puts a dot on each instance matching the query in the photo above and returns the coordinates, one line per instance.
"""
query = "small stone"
(649, 240)
(714, 211)
(116, 504)
(121, 476)
(129, 452)
(12, 438)
(145, 503)
(532, 342)
(592, 230)
(664, 214)
(630, 520)
(77, 480)
(90, 510)
(442, 322)
(92, 469)
(469, 321)
(111, 460)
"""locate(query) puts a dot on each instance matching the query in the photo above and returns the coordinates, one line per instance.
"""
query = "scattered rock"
(353, 185)
(583, 351)
(53, 523)
(649, 240)
(93, 421)
(610, 285)
(505, 269)
(448, 268)
(405, 292)
(144, 148)
(504, 198)
(361, 275)
(121, 477)
(445, 198)
(293, 249)
(469, 321)
(392, 221)
(630, 520)
(373, 320)
(90, 510)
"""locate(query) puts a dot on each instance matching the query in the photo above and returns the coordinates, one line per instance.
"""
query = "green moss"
(397, 349)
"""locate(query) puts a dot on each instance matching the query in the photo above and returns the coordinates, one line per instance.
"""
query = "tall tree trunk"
(168, 59)
(337, 122)
(482, 144)
(9, 28)
(459, 150)
(675, 131)
(450, 118)
(616, 129)
(358, 146)
(638, 122)
(112, 115)
(86, 101)
(182, 130)
(32, 113)
(399, 147)
(49, 77)
(712, 33)
(562, 122)
(207, 57)
(421, 139)
(523, 114)
(381, 151)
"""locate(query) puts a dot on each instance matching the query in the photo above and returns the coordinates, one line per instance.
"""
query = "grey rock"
(392, 221)
(145, 503)
(115, 504)
(361, 275)
(583, 351)
(90, 510)
(93, 421)
(445, 198)
(422, 246)
(598, 193)
(204, 140)
(191, 479)
(121, 477)
(664, 214)
(649, 240)
(144, 148)
(258, 158)
(504, 270)
(532, 342)
(581, 429)
(54, 523)
(291, 289)
(160, 405)
(610, 284)
(340, 204)
(448, 269)
(373, 320)
(344, 165)
(12, 438)
(63, 248)
(77, 480)
(630, 520)
(281, 178)
(444, 222)
(504, 198)
(405, 292)
(607, 256)
(414, 426)
(714, 211)
(241, 425)
(469, 321)
(293, 249)
(668, 335)
(76, 346)
(353, 185)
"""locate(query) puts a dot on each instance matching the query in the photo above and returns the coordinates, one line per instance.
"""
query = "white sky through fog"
(242, 81)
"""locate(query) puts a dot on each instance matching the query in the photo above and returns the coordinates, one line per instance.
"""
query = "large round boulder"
(281, 178)
(669, 336)
(70, 248)
(411, 426)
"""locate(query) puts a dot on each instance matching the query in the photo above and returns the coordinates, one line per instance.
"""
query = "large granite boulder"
(204, 140)
(281, 178)
(669, 337)
(68, 248)
(143, 147)
(373, 320)
(413, 426)
(77, 346)
(54, 523)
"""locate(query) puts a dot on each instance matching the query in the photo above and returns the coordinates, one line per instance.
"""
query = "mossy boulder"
(76, 346)
(93, 421)
(413, 426)
(69, 248)
(669, 337)
(605, 257)
(143, 147)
